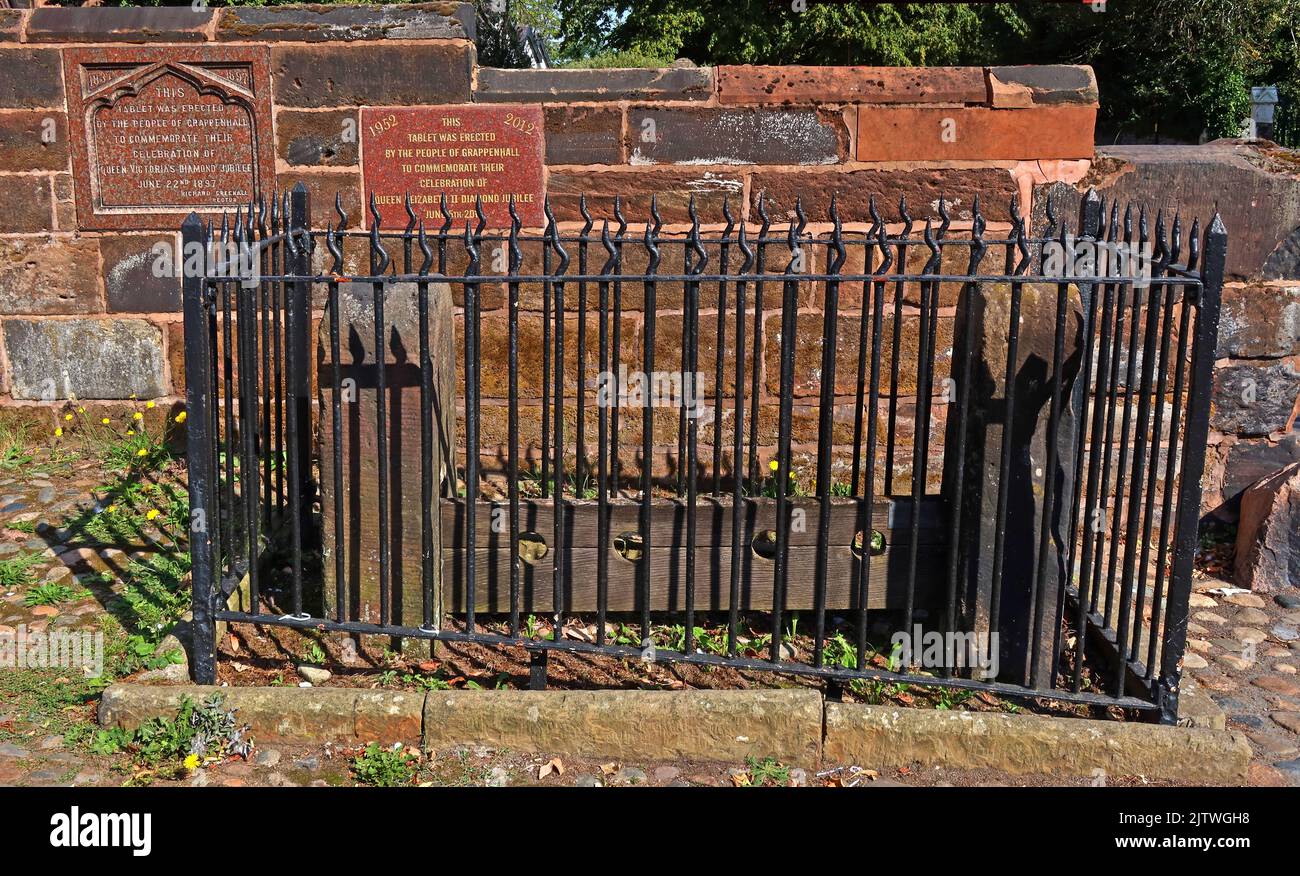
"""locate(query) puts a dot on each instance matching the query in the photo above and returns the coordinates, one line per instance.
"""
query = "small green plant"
(49, 593)
(895, 659)
(313, 654)
(17, 571)
(949, 698)
(768, 771)
(27, 526)
(425, 682)
(101, 741)
(14, 453)
(385, 767)
(140, 653)
(839, 651)
(198, 734)
(709, 641)
(531, 484)
(622, 634)
(155, 593)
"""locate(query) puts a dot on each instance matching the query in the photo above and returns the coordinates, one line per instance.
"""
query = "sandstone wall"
(86, 304)
(82, 309)
(1255, 420)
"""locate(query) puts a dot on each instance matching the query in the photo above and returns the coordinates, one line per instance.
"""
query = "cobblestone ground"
(59, 572)
(1243, 649)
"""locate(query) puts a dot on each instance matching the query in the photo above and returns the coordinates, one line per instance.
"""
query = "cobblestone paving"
(1244, 649)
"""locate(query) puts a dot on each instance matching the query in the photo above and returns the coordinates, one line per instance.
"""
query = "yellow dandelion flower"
(81, 410)
(137, 416)
(130, 432)
(180, 418)
(58, 432)
(149, 405)
(192, 762)
(142, 452)
(67, 417)
(106, 421)
(151, 514)
(111, 509)
(774, 465)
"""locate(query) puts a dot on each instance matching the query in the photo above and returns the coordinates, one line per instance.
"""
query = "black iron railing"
(885, 429)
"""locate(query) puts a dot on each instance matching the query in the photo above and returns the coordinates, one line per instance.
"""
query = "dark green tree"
(1175, 69)
(769, 31)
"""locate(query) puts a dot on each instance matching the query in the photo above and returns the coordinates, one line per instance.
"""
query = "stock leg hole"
(628, 545)
(532, 547)
(877, 543)
(764, 544)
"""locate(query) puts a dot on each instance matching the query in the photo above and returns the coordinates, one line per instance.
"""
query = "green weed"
(385, 767)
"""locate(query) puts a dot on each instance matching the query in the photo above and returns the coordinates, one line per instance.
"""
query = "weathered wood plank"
(668, 579)
(713, 520)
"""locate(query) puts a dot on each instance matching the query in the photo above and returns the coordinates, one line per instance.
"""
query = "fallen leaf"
(237, 666)
(429, 665)
(555, 765)
(609, 768)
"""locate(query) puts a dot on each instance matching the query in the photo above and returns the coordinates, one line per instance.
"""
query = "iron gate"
(875, 428)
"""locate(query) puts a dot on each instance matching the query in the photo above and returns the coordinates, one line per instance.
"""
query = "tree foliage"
(1173, 69)
(767, 31)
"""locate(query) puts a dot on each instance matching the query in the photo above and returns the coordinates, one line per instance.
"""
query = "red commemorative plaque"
(465, 152)
(158, 133)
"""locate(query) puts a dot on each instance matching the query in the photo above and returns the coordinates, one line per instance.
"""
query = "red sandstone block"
(673, 188)
(323, 187)
(372, 75)
(793, 84)
(30, 77)
(11, 25)
(52, 24)
(27, 200)
(33, 140)
(898, 133)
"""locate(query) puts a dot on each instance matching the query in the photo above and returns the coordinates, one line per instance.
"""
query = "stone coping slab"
(793, 726)
(888, 736)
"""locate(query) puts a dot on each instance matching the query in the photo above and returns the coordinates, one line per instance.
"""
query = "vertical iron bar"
(760, 269)
(825, 429)
(561, 548)
(471, 428)
(512, 460)
(1189, 482)
(720, 346)
(737, 474)
(873, 424)
(647, 425)
(378, 265)
(202, 476)
(789, 311)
